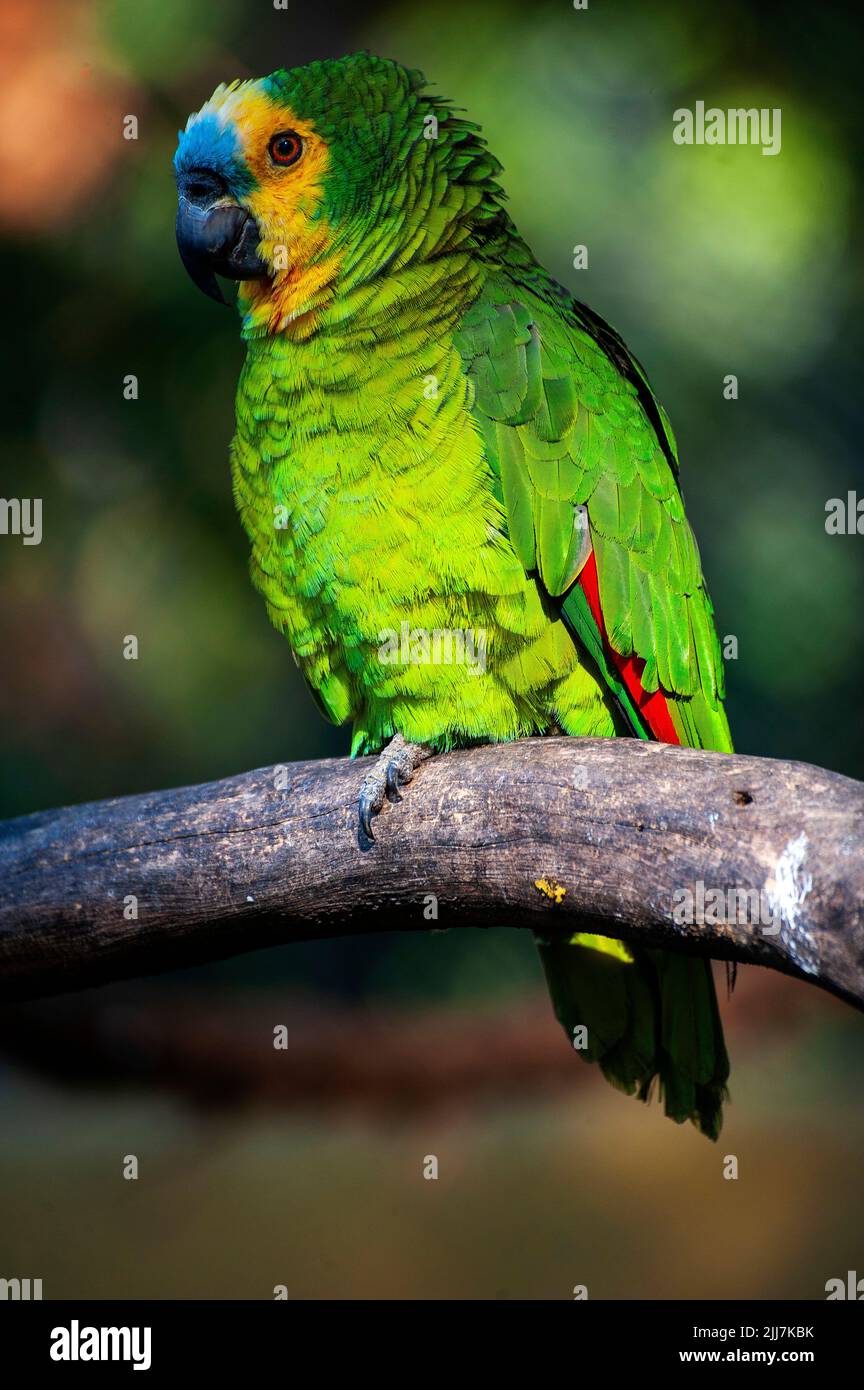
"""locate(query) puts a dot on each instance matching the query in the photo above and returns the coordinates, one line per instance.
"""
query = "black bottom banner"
(159, 1338)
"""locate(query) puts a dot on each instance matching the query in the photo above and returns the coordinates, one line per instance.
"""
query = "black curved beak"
(215, 237)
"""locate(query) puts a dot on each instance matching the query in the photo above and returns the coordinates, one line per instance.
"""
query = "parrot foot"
(394, 767)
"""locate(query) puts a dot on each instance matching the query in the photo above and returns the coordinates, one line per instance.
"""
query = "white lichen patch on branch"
(787, 891)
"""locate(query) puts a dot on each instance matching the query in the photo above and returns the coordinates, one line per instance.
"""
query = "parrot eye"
(285, 148)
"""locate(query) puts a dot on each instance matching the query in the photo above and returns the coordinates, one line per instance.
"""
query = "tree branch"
(554, 834)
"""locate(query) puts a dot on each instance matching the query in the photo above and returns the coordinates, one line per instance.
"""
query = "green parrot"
(460, 491)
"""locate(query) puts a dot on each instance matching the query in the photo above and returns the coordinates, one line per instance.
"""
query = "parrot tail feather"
(648, 1018)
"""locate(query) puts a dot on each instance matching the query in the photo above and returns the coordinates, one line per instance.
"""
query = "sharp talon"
(392, 782)
(366, 819)
(394, 768)
(367, 809)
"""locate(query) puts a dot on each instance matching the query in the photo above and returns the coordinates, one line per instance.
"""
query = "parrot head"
(334, 170)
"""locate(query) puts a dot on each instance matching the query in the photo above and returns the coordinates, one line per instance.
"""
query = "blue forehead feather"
(208, 144)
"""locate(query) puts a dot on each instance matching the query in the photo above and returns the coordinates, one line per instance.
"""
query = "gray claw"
(367, 810)
(393, 768)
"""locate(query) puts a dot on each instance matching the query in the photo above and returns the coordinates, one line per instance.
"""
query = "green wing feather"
(573, 432)
(569, 421)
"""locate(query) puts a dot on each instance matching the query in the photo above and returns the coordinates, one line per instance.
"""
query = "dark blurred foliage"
(708, 261)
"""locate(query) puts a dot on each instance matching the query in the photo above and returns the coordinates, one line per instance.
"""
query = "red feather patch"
(654, 707)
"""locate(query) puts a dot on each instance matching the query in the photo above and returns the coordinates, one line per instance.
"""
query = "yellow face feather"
(284, 202)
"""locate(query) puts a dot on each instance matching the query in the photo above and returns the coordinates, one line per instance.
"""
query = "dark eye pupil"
(285, 148)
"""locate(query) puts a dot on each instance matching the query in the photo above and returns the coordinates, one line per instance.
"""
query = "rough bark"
(552, 834)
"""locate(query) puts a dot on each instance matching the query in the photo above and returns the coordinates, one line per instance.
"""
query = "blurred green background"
(709, 261)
